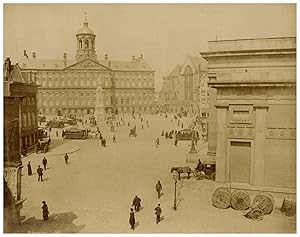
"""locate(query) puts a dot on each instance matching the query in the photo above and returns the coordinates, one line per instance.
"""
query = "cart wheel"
(213, 176)
(257, 214)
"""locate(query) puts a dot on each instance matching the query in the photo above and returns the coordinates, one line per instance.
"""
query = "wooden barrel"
(265, 202)
(240, 200)
(221, 198)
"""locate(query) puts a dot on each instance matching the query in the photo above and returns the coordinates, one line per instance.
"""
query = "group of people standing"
(137, 205)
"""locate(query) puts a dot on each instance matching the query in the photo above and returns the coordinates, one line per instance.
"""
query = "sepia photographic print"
(149, 118)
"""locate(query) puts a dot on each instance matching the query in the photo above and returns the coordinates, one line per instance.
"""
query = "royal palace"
(69, 87)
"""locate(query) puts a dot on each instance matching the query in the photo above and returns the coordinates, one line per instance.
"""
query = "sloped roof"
(136, 65)
(26, 63)
(176, 71)
(16, 74)
(198, 60)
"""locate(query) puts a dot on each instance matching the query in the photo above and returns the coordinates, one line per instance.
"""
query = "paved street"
(94, 192)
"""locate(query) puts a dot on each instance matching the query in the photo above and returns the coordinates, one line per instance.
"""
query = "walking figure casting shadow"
(180, 170)
(56, 223)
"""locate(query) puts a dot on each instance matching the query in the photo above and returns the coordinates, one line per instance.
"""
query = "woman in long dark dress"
(45, 211)
(29, 168)
(131, 219)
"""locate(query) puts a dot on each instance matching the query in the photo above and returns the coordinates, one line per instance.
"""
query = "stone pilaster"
(221, 140)
(258, 165)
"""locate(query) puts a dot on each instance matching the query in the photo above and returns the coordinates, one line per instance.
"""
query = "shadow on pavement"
(57, 223)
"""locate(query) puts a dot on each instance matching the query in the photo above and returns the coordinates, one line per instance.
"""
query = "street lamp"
(175, 177)
(193, 149)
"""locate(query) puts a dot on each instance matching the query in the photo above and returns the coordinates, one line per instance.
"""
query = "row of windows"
(94, 75)
(28, 101)
(86, 82)
(28, 119)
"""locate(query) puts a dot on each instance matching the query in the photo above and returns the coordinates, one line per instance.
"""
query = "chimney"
(34, 55)
(65, 59)
(133, 58)
(106, 56)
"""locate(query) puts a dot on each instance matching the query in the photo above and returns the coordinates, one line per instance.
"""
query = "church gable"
(88, 64)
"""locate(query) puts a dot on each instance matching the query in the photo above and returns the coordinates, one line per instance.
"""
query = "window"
(203, 114)
(24, 120)
(32, 100)
(28, 100)
(29, 119)
(203, 93)
(122, 101)
(203, 101)
(33, 118)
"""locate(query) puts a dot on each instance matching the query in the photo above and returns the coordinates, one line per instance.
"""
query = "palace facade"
(68, 87)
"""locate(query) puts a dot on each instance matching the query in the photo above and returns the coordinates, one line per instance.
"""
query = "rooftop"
(251, 44)
(58, 64)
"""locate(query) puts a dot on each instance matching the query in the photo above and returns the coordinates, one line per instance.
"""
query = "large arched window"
(188, 83)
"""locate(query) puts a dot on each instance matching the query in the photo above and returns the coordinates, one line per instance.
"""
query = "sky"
(164, 33)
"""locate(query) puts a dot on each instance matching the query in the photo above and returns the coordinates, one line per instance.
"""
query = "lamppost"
(193, 149)
(175, 177)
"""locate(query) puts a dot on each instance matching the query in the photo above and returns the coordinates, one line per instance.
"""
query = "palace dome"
(85, 30)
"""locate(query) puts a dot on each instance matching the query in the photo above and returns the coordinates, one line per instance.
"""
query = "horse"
(180, 170)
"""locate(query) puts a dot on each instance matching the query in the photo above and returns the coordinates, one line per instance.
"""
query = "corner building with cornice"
(68, 87)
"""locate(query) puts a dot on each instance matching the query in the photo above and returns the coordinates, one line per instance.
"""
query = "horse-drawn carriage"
(43, 145)
(207, 170)
(132, 132)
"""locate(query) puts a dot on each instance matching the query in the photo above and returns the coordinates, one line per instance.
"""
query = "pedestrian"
(158, 188)
(162, 133)
(104, 142)
(157, 142)
(45, 211)
(114, 139)
(40, 173)
(176, 141)
(181, 125)
(29, 168)
(136, 203)
(158, 212)
(131, 219)
(57, 133)
(66, 158)
(44, 163)
(142, 126)
(166, 135)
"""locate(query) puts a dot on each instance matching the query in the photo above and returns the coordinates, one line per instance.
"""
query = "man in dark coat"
(176, 141)
(131, 219)
(45, 211)
(66, 158)
(158, 212)
(136, 203)
(199, 166)
(158, 188)
(29, 168)
(40, 173)
(44, 163)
